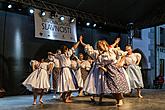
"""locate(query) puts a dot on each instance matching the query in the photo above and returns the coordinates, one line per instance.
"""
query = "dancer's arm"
(121, 62)
(81, 41)
(116, 42)
(33, 65)
(73, 49)
(138, 56)
(89, 49)
(76, 45)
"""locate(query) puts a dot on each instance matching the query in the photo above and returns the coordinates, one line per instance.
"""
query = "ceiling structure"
(141, 12)
(115, 13)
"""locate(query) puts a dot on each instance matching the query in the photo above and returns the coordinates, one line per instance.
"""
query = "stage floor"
(153, 100)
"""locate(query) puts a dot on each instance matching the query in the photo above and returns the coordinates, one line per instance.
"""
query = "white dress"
(95, 82)
(66, 80)
(77, 71)
(134, 71)
(39, 78)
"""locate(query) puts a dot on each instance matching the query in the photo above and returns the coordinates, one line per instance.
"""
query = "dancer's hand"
(117, 40)
(81, 37)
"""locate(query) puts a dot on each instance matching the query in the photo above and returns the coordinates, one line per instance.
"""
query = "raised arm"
(116, 42)
(81, 41)
(89, 49)
(76, 45)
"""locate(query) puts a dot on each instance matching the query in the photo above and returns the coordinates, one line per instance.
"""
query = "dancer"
(85, 66)
(105, 80)
(38, 80)
(131, 62)
(77, 70)
(115, 78)
(66, 80)
(114, 48)
(34, 64)
(95, 82)
(56, 71)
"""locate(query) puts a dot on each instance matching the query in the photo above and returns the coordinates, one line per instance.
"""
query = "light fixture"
(62, 18)
(72, 20)
(43, 13)
(9, 6)
(31, 10)
(52, 15)
(19, 7)
(87, 23)
(94, 25)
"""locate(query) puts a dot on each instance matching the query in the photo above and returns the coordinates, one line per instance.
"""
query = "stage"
(153, 100)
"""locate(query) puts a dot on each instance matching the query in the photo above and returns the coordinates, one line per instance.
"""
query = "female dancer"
(115, 76)
(85, 66)
(102, 80)
(66, 80)
(95, 82)
(56, 71)
(38, 80)
(77, 70)
(131, 62)
(119, 55)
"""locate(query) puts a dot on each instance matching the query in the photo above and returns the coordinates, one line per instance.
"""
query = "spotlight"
(94, 25)
(62, 18)
(9, 6)
(105, 23)
(72, 20)
(31, 11)
(52, 15)
(87, 23)
(19, 8)
(43, 13)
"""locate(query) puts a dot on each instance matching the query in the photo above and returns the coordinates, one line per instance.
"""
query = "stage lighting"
(72, 20)
(52, 15)
(43, 13)
(31, 11)
(62, 18)
(19, 8)
(9, 6)
(87, 23)
(94, 25)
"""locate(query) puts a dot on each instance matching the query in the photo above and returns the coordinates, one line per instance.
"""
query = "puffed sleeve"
(88, 65)
(122, 53)
(138, 56)
(70, 52)
(73, 64)
(90, 51)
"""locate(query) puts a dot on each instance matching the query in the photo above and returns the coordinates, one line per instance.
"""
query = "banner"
(54, 28)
